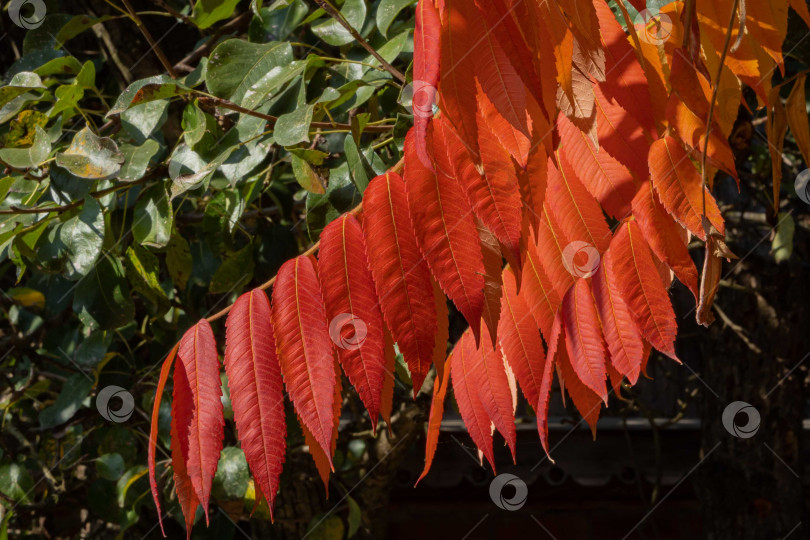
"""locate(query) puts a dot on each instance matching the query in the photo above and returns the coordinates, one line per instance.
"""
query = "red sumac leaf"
(257, 392)
(304, 347)
(153, 431)
(445, 229)
(401, 276)
(198, 409)
(352, 309)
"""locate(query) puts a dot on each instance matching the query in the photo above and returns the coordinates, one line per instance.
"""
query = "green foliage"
(133, 203)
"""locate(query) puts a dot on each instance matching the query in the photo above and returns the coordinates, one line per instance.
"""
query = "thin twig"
(225, 104)
(335, 14)
(152, 43)
(397, 168)
(714, 100)
(96, 195)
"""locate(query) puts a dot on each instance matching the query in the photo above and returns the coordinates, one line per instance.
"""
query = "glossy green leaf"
(21, 83)
(333, 33)
(209, 12)
(137, 159)
(153, 218)
(306, 176)
(236, 67)
(293, 128)
(387, 11)
(74, 246)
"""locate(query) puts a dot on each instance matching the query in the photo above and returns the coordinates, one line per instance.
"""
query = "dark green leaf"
(235, 271)
(178, 260)
(74, 391)
(110, 466)
(102, 299)
(143, 272)
(16, 483)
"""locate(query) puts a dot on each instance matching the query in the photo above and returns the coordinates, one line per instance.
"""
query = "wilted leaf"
(89, 156)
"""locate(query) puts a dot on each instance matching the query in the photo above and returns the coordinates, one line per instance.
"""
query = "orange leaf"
(766, 21)
(440, 385)
(587, 402)
(465, 388)
(541, 408)
(461, 28)
(494, 195)
(491, 251)
(520, 339)
(622, 338)
(498, 78)
(552, 243)
(323, 461)
(680, 187)
(182, 482)
(537, 291)
(665, 237)
(642, 290)
(493, 388)
(604, 177)
(797, 116)
(575, 209)
(387, 399)
(621, 136)
(583, 337)
(532, 185)
(626, 81)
